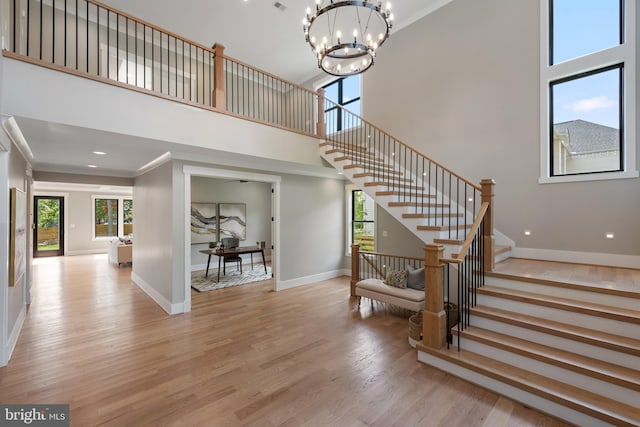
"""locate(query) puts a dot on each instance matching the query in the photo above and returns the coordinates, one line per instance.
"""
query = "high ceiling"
(253, 31)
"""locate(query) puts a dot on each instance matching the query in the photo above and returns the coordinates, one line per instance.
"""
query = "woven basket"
(415, 326)
(453, 314)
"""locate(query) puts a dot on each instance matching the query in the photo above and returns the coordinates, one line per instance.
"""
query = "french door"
(48, 217)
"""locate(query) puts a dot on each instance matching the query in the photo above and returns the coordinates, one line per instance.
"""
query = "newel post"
(321, 125)
(488, 186)
(355, 267)
(218, 95)
(434, 318)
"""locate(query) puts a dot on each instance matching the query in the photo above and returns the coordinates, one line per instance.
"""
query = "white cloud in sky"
(590, 104)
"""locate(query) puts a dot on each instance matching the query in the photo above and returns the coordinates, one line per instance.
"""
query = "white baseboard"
(301, 281)
(86, 252)
(171, 308)
(610, 260)
(13, 338)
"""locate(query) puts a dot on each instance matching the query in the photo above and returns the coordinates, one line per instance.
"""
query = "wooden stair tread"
(449, 241)
(403, 193)
(577, 333)
(581, 400)
(384, 169)
(396, 185)
(427, 204)
(616, 374)
(373, 175)
(605, 311)
(567, 285)
(432, 215)
(443, 227)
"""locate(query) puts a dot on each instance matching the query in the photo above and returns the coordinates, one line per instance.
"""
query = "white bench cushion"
(411, 299)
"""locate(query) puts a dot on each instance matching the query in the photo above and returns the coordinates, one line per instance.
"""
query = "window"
(112, 216)
(346, 92)
(363, 225)
(588, 90)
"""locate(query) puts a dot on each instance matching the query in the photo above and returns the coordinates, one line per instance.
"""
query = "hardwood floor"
(244, 356)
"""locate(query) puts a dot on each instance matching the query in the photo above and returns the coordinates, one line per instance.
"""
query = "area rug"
(232, 278)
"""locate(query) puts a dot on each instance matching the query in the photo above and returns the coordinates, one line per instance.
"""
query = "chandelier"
(345, 35)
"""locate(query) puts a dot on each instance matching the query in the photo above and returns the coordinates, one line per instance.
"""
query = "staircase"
(569, 350)
(423, 199)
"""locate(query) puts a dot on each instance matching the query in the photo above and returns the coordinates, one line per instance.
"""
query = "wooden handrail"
(392, 256)
(472, 233)
(477, 187)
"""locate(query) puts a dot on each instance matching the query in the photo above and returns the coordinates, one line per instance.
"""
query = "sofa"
(403, 289)
(120, 251)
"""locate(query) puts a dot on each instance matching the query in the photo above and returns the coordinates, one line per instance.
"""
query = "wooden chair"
(231, 243)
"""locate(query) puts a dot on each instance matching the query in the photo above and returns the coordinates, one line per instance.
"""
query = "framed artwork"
(232, 219)
(204, 222)
(17, 236)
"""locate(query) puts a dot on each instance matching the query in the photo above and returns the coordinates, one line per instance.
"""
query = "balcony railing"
(99, 42)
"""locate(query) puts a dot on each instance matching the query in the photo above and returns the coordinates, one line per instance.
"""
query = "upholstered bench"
(376, 289)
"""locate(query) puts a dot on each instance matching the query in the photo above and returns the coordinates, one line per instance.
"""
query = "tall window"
(363, 225)
(112, 216)
(346, 92)
(588, 79)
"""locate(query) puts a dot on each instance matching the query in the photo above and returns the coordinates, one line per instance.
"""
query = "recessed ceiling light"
(610, 236)
(92, 166)
(100, 153)
(527, 232)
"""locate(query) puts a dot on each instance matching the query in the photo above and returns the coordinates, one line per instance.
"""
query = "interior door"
(48, 217)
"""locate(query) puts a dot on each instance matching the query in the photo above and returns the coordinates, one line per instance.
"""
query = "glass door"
(48, 236)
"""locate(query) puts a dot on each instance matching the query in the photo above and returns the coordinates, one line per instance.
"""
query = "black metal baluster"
(65, 32)
(108, 43)
(28, 27)
(53, 32)
(41, 3)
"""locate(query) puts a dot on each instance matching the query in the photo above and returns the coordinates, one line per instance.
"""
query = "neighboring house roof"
(588, 137)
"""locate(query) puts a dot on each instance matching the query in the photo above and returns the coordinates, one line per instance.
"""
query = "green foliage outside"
(363, 225)
(48, 213)
(106, 213)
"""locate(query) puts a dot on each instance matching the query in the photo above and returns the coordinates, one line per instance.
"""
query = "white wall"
(256, 196)
(462, 86)
(312, 222)
(13, 173)
(85, 103)
(153, 257)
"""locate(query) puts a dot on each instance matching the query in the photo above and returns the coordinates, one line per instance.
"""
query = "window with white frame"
(112, 216)
(588, 106)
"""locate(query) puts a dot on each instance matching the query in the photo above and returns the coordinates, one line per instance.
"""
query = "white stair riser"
(561, 292)
(616, 327)
(519, 395)
(566, 344)
(614, 391)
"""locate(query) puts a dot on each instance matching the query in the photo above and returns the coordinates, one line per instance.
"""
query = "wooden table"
(233, 252)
